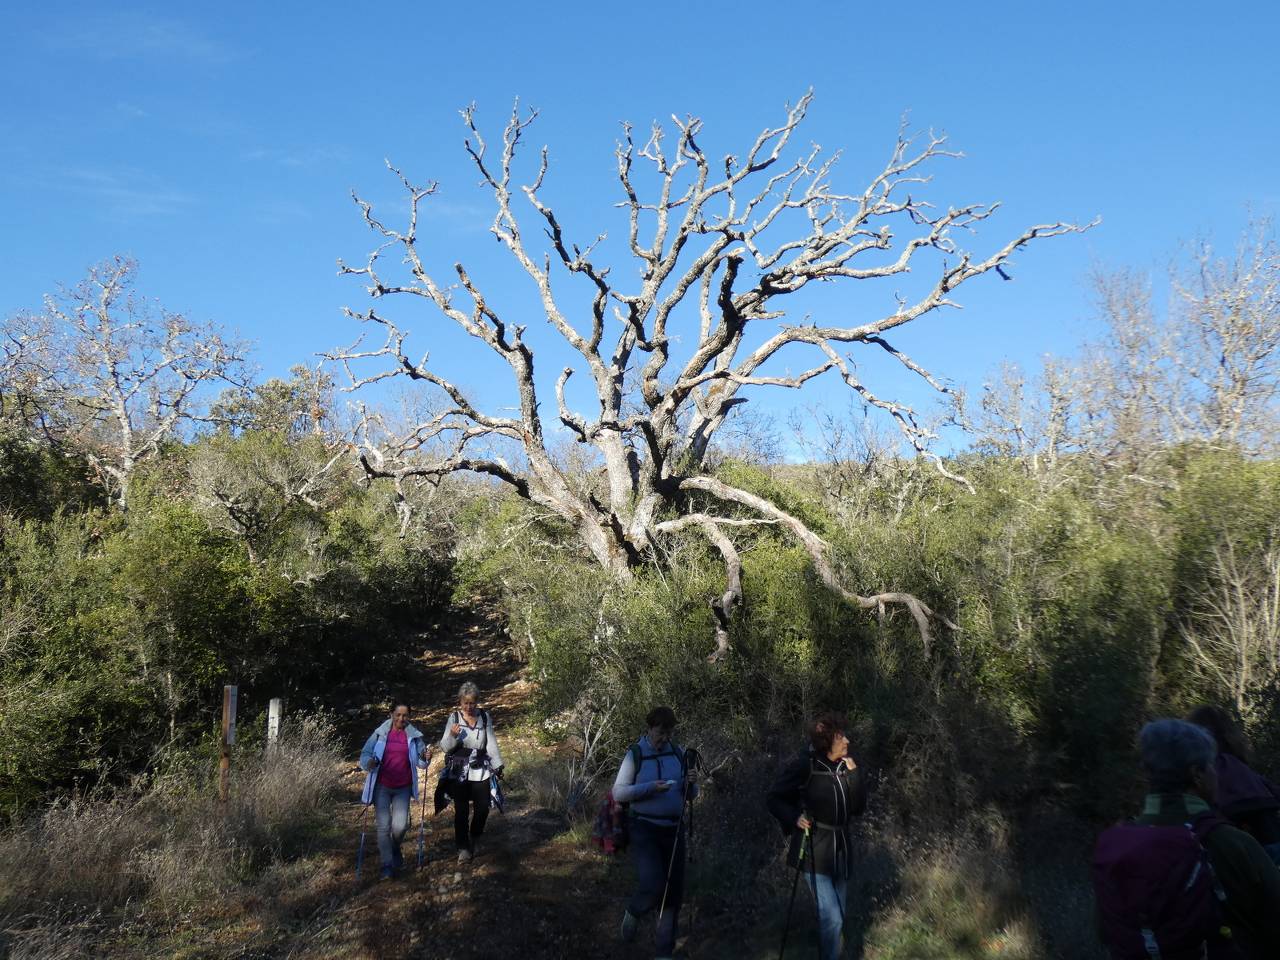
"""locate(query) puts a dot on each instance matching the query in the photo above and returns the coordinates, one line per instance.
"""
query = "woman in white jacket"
(471, 758)
(392, 755)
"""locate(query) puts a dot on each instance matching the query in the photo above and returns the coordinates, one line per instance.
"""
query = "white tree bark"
(724, 241)
(114, 376)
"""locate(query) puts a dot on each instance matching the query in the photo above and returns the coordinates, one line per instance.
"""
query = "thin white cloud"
(130, 36)
(297, 157)
(125, 192)
(278, 212)
(130, 110)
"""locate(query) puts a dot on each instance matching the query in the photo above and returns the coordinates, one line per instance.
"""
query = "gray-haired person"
(471, 757)
(1152, 889)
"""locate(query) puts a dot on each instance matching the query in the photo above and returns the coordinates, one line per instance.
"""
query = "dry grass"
(957, 901)
(84, 865)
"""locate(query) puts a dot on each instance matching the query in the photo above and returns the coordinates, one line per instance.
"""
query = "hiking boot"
(397, 858)
(629, 924)
(388, 873)
(464, 856)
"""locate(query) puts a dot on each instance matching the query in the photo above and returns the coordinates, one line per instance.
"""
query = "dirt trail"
(534, 890)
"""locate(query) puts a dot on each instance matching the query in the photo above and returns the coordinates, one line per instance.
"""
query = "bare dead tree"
(1206, 372)
(1228, 318)
(23, 351)
(722, 246)
(1234, 629)
(1032, 421)
(115, 376)
(857, 462)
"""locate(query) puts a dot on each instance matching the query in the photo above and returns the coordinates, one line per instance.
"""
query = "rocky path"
(537, 888)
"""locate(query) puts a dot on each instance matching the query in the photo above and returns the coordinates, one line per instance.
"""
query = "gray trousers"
(391, 813)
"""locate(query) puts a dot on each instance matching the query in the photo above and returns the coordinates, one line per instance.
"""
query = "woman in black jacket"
(815, 799)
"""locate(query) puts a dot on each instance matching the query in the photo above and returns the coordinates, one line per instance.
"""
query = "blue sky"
(218, 144)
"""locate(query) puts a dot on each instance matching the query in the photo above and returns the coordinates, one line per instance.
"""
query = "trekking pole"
(686, 803)
(364, 821)
(694, 761)
(675, 848)
(422, 815)
(786, 927)
(813, 882)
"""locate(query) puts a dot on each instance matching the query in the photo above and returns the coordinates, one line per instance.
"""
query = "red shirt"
(393, 772)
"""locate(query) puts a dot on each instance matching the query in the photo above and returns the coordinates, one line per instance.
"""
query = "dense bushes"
(118, 629)
(1072, 607)
(994, 755)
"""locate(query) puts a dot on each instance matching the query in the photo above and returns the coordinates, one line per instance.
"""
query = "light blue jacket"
(637, 786)
(376, 745)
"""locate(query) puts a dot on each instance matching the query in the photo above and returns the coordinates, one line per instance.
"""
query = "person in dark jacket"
(1178, 758)
(815, 799)
(1245, 797)
(655, 780)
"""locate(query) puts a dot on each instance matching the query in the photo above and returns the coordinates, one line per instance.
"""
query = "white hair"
(1171, 750)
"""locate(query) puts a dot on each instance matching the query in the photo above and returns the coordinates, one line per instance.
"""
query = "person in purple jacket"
(1245, 797)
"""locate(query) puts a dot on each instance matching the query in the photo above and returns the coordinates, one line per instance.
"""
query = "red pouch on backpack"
(610, 830)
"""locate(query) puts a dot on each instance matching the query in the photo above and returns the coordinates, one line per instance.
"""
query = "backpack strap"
(483, 718)
(459, 749)
(637, 758)
(1205, 823)
(1202, 825)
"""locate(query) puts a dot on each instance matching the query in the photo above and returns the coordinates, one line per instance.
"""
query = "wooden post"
(229, 694)
(274, 709)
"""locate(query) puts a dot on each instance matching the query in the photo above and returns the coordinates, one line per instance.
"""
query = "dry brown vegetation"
(91, 870)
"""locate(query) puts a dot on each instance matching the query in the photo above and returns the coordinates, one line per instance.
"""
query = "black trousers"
(470, 809)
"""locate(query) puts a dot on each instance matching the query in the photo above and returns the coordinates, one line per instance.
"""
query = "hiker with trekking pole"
(472, 767)
(657, 779)
(391, 757)
(815, 800)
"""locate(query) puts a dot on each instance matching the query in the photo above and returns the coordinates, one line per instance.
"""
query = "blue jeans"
(831, 897)
(652, 847)
(1273, 851)
(391, 813)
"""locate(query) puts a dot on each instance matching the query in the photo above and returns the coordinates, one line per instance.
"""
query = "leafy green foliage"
(118, 630)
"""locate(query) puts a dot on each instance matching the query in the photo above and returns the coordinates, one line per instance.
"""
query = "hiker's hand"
(849, 764)
(456, 729)
(803, 822)
(497, 772)
(661, 786)
(373, 763)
